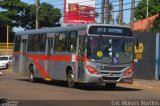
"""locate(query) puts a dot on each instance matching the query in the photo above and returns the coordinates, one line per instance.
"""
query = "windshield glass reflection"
(110, 49)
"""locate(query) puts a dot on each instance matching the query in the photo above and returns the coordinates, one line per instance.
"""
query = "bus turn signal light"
(128, 71)
(91, 70)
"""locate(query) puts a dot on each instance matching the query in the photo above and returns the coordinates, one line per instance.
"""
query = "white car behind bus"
(5, 61)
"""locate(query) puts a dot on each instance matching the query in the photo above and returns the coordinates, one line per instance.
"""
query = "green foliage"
(48, 16)
(156, 25)
(153, 9)
(141, 10)
(16, 13)
(11, 10)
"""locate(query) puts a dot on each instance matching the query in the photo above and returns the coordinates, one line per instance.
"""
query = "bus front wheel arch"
(70, 78)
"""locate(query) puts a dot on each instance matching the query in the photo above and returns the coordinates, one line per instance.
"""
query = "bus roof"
(61, 29)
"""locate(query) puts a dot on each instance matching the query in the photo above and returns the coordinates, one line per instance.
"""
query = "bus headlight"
(128, 71)
(91, 70)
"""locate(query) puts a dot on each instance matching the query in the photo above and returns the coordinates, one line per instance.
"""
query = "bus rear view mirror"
(136, 42)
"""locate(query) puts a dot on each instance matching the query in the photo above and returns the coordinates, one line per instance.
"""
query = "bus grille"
(112, 68)
(107, 73)
(111, 78)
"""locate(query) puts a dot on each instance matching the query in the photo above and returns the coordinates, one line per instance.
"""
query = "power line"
(92, 14)
(98, 3)
(105, 12)
(62, 10)
(80, 15)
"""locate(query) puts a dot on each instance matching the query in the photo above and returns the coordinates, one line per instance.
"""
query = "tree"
(48, 16)
(141, 10)
(109, 13)
(156, 24)
(11, 10)
(16, 13)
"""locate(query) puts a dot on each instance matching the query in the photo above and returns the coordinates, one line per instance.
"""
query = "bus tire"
(70, 79)
(110, 86)
(31, 74)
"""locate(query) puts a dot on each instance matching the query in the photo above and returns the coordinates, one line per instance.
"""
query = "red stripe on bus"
(34, 58)
(38, 57)
(41, 69)
(43, 72)
(55, 57)
(60, 58)
(44, 57)
(82, 58)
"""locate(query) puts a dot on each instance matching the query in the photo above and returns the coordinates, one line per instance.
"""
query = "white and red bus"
(91, 53)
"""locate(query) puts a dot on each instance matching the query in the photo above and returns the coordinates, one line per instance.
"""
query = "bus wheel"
(31, 74)
(70, 79)
(110, 86)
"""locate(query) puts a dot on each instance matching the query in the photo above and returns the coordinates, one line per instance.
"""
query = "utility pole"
(102, 11)
(113, 15)
(107, 12)
(147, 8)
(132, 14)
(37, 5)
(120, 12)
(147, 23)
(7, 37)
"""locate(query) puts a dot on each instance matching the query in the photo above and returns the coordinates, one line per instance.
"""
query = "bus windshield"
(110, 50)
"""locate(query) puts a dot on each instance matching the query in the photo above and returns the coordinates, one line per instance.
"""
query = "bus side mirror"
(86, 52)
(136, 42)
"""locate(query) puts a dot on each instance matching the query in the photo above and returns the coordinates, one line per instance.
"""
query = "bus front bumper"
(108, 79)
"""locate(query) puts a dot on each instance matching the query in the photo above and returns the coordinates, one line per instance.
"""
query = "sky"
(59, 4)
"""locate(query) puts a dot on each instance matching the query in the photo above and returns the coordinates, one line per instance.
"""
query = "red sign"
(78, 14)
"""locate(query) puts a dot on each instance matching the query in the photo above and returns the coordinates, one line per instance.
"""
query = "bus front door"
(81, 53)
(23, 58)
(48, 53)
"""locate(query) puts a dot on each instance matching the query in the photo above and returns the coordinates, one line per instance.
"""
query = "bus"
(89, 53)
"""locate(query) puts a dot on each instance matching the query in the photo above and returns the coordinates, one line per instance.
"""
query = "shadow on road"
(80, 86)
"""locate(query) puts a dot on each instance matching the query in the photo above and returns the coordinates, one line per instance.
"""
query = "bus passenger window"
(60, 42)
(30, 43)
(42, 42)
(17, 43)
(36, 44)
(72, 41)
(72, 49)
(65, 42)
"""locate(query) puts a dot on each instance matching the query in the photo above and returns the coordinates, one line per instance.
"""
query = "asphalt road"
(17, 88)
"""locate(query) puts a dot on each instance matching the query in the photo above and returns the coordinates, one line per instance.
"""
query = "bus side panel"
(16, 55)
(74, 67)
(58, 72)
(23, 58)
(19, 63)
(16, 63)
(58, 67)
(37, 72)
(36, 69)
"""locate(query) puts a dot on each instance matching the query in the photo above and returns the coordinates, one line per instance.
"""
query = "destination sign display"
(110, 30)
